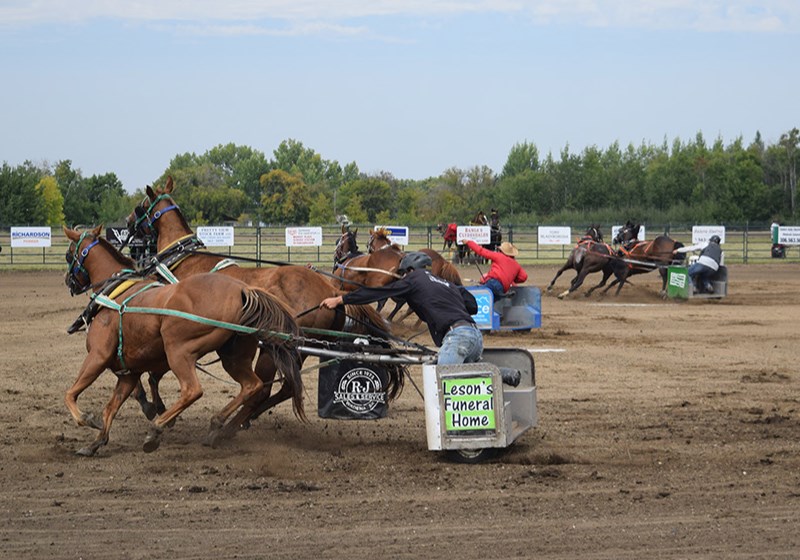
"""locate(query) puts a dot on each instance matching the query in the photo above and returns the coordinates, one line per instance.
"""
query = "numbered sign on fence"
(789, 235)
(303, 236)
(215, 236)
(701, 234)
(555, 235)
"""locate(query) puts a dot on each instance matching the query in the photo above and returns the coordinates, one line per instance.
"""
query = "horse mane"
(126, 262)
(159, 191)
(382, 233)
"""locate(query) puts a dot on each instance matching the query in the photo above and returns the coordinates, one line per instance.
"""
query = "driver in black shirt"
(447, 309)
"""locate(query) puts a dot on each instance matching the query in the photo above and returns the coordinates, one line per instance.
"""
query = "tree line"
(679, 182)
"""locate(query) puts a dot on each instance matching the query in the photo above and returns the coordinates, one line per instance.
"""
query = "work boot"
(510, 376)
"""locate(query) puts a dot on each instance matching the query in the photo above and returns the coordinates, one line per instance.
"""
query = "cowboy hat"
(508, 249)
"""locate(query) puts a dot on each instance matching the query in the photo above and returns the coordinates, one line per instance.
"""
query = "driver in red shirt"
(505, 270)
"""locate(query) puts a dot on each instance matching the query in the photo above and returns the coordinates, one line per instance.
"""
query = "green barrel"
(678, 283)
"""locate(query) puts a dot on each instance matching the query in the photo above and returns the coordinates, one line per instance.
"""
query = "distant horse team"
(633, 257)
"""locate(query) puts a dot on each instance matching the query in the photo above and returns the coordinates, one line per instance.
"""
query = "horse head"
(346, 245)
(628, 232)
(379, 239)
(480, 219)
(594, 233)
(79, 270)
(143, 221)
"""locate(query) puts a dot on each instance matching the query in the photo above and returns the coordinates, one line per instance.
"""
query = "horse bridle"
(75, 267)
(338, 254)
(145, 221)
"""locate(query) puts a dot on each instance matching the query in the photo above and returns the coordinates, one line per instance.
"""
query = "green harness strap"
(122, 308)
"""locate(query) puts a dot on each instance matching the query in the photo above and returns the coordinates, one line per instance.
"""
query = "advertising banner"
(555, 235)
(701, 234)
(482, 235)
(303, 236)
(789, 235)
(31, 237)
(215, 236)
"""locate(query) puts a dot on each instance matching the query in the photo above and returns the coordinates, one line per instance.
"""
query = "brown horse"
(379, 241)
(373, 269)
(298, 287)
(638, 257)
(589, 255)
(141, 325)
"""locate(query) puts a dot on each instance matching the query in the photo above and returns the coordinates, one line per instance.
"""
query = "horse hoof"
(152, 441)
(214, 438)
(86, 451)
(562, 295)
(89, 420)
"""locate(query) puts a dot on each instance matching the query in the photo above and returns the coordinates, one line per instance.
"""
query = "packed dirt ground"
(666, 430)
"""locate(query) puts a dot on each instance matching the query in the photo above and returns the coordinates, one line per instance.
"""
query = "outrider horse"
(298, 287)
(589, 255)
(140, 325)
(638, 257)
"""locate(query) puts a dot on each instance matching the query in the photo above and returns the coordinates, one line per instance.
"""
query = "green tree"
(20, 203)
(522, 158)
(374, 194)
(52, 200)
(286, 198)
(321, 211)
(790, 142)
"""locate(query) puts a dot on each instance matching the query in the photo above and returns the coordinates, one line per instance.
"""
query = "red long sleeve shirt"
(504, 268)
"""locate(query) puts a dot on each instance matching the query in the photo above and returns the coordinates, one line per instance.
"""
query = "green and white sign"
(468, 404)
(678, 282)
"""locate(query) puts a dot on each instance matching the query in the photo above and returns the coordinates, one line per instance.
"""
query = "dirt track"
(667, 430)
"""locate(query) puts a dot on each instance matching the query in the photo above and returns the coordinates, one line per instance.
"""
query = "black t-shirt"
(438, 303)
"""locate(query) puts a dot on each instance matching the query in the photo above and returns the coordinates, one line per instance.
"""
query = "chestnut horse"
(373, 269)
(638, 257)
(141, 325)
(298, 287)
(379, 241)
(589, 255)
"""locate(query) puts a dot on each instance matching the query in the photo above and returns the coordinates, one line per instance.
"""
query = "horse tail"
(450, 273)
(367, 320)
(262, 311)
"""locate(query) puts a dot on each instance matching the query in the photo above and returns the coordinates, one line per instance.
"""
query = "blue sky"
(408, 87)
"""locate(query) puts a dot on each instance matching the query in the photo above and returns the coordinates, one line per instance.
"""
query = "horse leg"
(124, 387)
(606, 276)
(91, 369)
(266, 370)
(576, 282)
(398, 305)
(156, 407)
(182, 364)
(561, 270)
(621, 280)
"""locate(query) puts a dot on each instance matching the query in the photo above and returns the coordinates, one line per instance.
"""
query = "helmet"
(714, 239)
(413, 261)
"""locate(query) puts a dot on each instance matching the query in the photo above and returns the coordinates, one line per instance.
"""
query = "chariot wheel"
(471, 456)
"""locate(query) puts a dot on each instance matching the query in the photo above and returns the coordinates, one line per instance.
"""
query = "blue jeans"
(702, 273)
(496, 286)
(461, 345)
